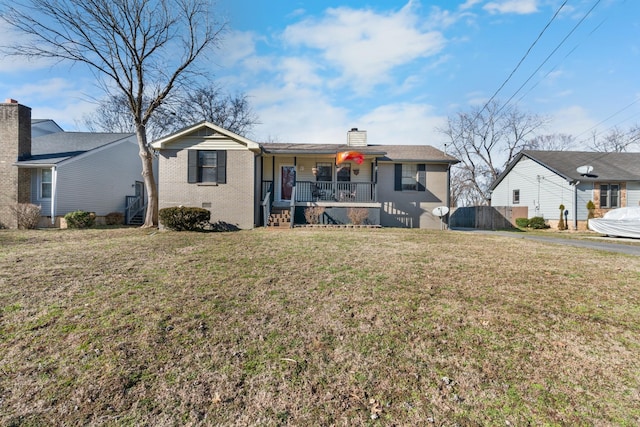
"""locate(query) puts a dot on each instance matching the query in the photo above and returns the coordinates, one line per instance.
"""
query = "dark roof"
(425, 153)
(60, 146)
(606, 166)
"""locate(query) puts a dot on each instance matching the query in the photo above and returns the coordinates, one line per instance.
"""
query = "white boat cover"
(621, 222)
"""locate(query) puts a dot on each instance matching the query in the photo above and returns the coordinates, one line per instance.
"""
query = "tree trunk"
(146, 155)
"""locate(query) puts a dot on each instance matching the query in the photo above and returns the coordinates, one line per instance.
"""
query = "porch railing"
(316, 191)
(134, 207)
(267, 201)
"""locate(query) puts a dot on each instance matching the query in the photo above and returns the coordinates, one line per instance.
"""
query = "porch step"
(280, 218)
(136, 220)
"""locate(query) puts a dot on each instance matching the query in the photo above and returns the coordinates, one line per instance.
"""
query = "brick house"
(249, 184)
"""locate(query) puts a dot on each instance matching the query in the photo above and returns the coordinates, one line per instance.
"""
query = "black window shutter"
(192, 166)
(222, 167)
(422, 177)
(398, 177)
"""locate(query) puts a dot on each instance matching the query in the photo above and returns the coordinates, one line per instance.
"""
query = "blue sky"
(314, 69)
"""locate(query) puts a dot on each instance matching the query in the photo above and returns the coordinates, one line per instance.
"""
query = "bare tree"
(617, 140)
(113, 115)
(208, 103)
(551, 142)
(141, 50)
(485, 140)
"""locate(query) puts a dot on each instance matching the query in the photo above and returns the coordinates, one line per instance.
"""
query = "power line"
(551, 54)
(597, 27)
(521, 60)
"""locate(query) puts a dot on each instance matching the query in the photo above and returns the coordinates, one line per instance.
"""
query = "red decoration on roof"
(343, 156)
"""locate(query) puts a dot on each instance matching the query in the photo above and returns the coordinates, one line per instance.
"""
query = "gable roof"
(189, 130)
(388, 153)
(41, 127)
(606, 166)
(55, 148)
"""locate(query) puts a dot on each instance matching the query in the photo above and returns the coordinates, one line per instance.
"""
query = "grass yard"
(314, 327)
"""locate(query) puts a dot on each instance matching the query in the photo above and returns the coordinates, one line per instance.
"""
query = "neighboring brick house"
(247, 184)
(543, 180)
(64, 171)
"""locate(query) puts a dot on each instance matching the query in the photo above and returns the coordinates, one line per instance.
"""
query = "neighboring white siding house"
(96, 181)
(541, 190)
(543, 180)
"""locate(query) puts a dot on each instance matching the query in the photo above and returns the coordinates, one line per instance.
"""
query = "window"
(410, 177)
(609, 195)
(323, 171)
(516, 197)
(344, 172)
(207, 166)
(45, 183)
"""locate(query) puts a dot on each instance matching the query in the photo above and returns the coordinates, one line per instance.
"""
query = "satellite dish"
(586, 171)
(441, 211)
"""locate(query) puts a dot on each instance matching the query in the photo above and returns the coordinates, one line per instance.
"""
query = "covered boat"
(621, 222)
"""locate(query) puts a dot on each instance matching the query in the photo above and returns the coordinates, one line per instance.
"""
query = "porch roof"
(285, 148)
(55, 148)
(389, 153)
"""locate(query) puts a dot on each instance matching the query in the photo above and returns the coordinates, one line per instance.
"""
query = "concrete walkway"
(610, 244)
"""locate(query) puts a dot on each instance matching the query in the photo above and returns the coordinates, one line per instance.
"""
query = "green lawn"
(314, 327)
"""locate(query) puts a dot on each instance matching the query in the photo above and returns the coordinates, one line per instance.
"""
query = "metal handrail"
(134, 205)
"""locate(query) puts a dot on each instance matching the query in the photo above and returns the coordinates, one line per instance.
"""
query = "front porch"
(336, 199)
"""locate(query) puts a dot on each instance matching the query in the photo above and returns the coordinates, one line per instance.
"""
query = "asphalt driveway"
(610, 244)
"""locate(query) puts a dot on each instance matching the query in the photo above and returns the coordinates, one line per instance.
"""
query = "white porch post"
(54, 180)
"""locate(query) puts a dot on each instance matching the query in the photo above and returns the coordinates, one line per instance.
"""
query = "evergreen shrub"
(80, 219)
(184, 218)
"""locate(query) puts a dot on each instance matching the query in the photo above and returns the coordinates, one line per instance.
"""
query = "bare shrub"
(27, 214)
(313, 214)
(114, 218)
(358, 216)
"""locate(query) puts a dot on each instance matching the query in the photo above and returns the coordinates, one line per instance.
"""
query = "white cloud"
(469, 4)
(404, 123)
(297, 114)
(365, 46)
(237, 46)
(520, 7)
(62, 100)
(574, 120)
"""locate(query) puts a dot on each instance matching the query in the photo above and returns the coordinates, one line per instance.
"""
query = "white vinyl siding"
(97, 181)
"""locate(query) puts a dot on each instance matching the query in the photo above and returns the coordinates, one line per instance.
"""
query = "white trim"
(40, 181)
(54, 182)
(163, 142)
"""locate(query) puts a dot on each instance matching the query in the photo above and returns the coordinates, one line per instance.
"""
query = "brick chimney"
(357, 138)
(15, 144)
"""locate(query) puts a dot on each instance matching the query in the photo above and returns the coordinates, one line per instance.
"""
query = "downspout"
(448, 195)
(575, 205)
(375, 180)
(54, 182)
(292, 206)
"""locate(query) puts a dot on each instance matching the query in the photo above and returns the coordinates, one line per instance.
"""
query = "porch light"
(356, 171)
(314, 171)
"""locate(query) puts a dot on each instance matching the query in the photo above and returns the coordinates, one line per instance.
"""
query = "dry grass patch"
(314, 327)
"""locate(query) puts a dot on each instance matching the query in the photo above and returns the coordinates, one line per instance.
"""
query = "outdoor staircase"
(137, 220)
(280, 217)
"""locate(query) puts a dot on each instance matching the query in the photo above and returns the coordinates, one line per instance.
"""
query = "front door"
(287, 181)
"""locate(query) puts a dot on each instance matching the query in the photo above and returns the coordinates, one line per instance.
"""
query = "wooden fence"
(487, 217)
